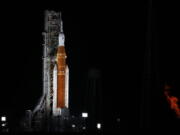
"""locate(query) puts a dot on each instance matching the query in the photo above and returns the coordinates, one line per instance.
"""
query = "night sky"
(109, 37)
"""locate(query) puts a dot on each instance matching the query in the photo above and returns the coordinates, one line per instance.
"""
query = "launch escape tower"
(52, 113)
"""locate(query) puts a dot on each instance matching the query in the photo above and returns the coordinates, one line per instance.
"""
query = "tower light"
(3, 118)
(98, 126)
(84, 114)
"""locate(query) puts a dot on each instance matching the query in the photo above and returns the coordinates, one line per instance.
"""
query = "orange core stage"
(61, 64)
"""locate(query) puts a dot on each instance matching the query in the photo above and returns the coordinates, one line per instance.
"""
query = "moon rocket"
(52, 109)
(60, 77)
(54, 100)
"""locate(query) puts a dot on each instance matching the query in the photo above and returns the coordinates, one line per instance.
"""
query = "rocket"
(55, 97)
(60, 76)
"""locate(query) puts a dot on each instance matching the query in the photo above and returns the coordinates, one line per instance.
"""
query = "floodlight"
(84, 115)
(3, 118)
(98, 125)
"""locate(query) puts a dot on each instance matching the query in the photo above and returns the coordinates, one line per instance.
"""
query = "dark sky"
(106, 36)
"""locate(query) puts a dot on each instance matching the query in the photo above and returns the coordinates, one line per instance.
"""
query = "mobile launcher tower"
(52, 113)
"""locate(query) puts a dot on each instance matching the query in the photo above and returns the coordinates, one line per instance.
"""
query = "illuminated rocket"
(60, 77)
(54, 100)
(52, 111)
